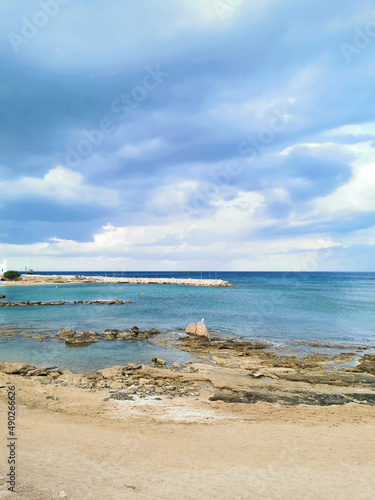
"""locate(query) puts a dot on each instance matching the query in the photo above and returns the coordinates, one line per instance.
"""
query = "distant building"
(3, 267)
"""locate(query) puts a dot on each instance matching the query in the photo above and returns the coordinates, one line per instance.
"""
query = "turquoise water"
(286, 309)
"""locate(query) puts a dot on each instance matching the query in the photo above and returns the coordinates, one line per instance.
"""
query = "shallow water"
(286, 309)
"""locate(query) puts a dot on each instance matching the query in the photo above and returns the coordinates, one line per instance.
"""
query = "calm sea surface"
(285, 309)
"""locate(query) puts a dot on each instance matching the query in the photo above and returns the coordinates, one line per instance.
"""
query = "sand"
(184, 448)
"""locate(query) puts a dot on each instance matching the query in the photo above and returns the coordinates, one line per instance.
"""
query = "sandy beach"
(130, 432)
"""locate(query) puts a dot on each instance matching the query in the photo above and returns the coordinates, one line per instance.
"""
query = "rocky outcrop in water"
(198, 330)
(73, 338)
(63, 303)
(87, 337)
(65, 333)
(131, 334)
(110, 334)
(82, 338)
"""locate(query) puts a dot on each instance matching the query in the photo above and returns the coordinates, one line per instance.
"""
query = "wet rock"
(366, 364)
(110, 334)
(343, 357)
(151, 331)
(66, 333)
(82, 338)
(58, 303)
(131, 334)
(305, 398)
(363, 398)
(288, 362)
(315, 360)
(2, 296)
(158, 362)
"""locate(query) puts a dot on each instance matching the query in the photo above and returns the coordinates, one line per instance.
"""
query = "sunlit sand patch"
(183, 411)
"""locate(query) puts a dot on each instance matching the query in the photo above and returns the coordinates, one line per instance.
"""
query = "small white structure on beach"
(3, 268)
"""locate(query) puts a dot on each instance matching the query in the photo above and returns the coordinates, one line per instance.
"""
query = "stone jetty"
(61, 280)
(165, 281)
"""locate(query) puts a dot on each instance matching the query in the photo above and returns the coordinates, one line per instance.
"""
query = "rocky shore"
(284, 426)
(230, 370)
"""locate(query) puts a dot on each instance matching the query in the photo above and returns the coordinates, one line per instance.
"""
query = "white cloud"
(59, 184)
(357, 195)
(357, 130)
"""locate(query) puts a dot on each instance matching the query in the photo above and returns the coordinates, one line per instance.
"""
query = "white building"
(3, 267)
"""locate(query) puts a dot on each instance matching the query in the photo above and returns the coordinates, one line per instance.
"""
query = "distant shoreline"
(36, 279)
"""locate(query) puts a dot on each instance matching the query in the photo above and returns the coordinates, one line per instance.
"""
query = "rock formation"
(82, 338)
(198, 330)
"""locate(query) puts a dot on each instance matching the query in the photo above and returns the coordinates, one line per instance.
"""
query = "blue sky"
(190, 135)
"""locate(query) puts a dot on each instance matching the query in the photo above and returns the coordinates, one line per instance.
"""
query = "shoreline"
(183, 447)
(35, 279)
(230, 370)
(244, 419)
(239, 422)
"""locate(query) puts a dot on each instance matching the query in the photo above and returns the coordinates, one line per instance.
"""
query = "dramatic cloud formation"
(215, 134)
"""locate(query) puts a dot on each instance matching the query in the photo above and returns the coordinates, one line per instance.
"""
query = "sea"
(288, 310)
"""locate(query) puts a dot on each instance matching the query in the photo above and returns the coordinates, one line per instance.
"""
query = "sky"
(193, 135)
